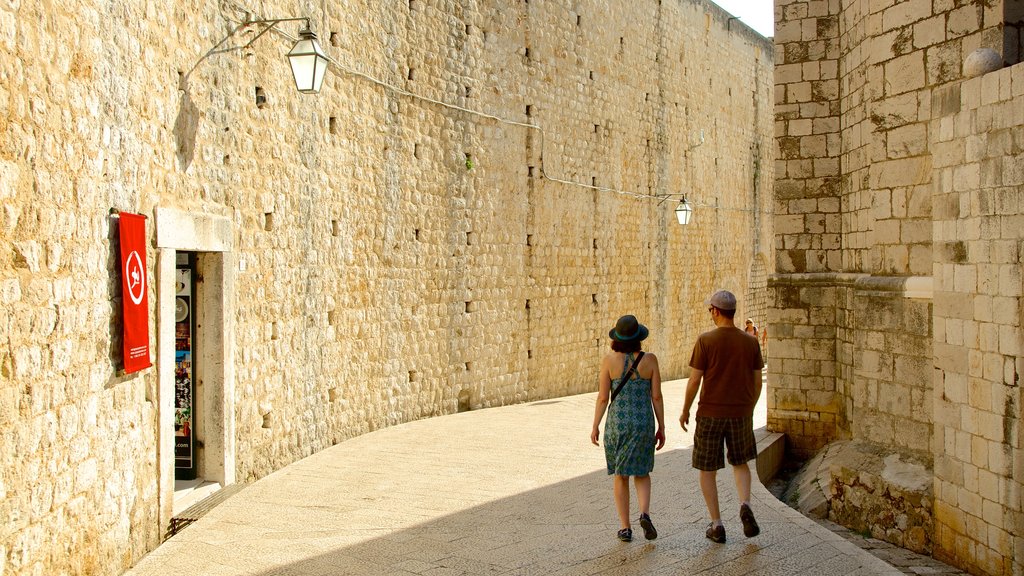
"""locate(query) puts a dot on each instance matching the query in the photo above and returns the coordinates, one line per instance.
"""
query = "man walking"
(728, 363)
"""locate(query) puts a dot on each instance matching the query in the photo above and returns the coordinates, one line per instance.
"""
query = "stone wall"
(803, 400)
(871, 489)
(875, 174)
(377, 256)
(979, 227)
(805, 397)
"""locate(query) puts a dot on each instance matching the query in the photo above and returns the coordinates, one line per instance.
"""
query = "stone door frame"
(211, 237)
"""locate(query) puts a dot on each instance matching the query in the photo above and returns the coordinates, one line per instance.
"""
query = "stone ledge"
(870, 489)
(771, 452)
(920, 287)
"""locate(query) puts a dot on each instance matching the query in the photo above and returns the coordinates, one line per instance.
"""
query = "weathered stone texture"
(927, 181)
(976, 375)
(393, 258)
(871, 489)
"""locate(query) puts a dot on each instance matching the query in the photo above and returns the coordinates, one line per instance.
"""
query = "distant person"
(728, 364)
(751, 328)
(630, 389)
(764, 344)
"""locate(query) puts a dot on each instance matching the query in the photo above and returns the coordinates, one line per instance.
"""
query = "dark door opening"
(185, 462)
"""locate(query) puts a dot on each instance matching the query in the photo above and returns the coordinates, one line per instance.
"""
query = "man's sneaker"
(750, 527)
(626, 534)
(716, 533)
(649, 532)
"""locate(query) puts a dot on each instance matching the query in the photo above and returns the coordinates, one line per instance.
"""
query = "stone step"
(771, 453)
(197, 510)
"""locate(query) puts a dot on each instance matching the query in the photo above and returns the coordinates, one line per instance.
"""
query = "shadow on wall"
(567, 527)
(185, 127)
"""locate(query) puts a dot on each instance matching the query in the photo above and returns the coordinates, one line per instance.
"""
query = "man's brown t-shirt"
(728, 356)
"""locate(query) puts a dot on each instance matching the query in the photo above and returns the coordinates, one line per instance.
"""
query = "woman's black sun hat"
(627, 329)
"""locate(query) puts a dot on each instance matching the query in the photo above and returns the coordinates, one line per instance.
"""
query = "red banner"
(134, 292)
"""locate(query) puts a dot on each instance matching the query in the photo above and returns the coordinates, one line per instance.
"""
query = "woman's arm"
(604, 387)
(658, 401)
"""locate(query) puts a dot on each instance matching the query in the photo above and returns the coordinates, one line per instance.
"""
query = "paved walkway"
(516, 490)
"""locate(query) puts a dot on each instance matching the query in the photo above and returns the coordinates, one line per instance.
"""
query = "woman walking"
(630, 391)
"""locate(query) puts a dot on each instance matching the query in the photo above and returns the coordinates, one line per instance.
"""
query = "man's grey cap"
(723, 300)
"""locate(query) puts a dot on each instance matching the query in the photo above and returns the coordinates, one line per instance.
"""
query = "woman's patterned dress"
(629, 427)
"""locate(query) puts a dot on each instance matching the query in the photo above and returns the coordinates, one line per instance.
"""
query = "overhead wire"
(543, 137)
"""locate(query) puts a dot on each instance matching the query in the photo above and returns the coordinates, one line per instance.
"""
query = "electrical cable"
(543, 138)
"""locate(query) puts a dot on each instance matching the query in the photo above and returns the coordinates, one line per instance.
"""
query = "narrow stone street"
(512, 490)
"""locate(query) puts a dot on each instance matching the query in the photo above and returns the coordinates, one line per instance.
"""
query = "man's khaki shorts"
(737, 434)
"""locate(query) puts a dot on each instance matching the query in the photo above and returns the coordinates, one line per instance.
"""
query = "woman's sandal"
(626, 534)
(649, 532)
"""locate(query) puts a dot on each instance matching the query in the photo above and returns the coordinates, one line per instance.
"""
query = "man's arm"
(692, 386)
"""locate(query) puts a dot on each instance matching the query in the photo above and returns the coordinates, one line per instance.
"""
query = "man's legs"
(622, 499)
(708, 459)
(709, 487)
(741, 472)
(742, 475)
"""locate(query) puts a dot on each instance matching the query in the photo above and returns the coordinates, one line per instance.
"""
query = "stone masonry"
(897, 304)
(368, 256)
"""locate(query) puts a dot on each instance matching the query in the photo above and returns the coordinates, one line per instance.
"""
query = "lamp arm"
(270, 24)
(258, 36)
(669, 197)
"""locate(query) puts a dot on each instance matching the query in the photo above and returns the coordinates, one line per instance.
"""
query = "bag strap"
(625, 377)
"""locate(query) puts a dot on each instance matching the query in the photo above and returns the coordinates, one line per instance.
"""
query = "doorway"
(195, 358)
(185, 338)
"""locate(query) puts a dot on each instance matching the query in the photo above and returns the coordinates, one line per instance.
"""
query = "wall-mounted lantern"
(308, 61)
(683, 212)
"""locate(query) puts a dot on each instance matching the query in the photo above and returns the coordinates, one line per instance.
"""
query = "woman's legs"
(622, 499)
(643, 493)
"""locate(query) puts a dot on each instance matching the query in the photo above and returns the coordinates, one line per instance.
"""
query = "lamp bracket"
(269, 24)
(669, 197)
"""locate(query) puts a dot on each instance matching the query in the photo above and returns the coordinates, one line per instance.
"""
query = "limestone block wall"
(804, 394)
(807, 137)
(872, 65)
(889, 393)
(849, 352)
(979, 461)
(387, 256)
(900, 199)
(803, 400)
(854, 101)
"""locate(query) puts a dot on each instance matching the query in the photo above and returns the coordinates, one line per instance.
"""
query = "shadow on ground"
(565, 528)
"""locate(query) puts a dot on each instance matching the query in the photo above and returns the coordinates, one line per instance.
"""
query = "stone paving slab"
(517, 490)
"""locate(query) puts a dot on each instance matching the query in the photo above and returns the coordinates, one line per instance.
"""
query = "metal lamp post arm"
(269, 23)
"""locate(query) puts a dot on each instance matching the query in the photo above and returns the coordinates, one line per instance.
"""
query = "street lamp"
(308, 61)
(683, 212)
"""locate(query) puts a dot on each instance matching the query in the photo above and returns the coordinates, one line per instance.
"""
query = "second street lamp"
(683, 212)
